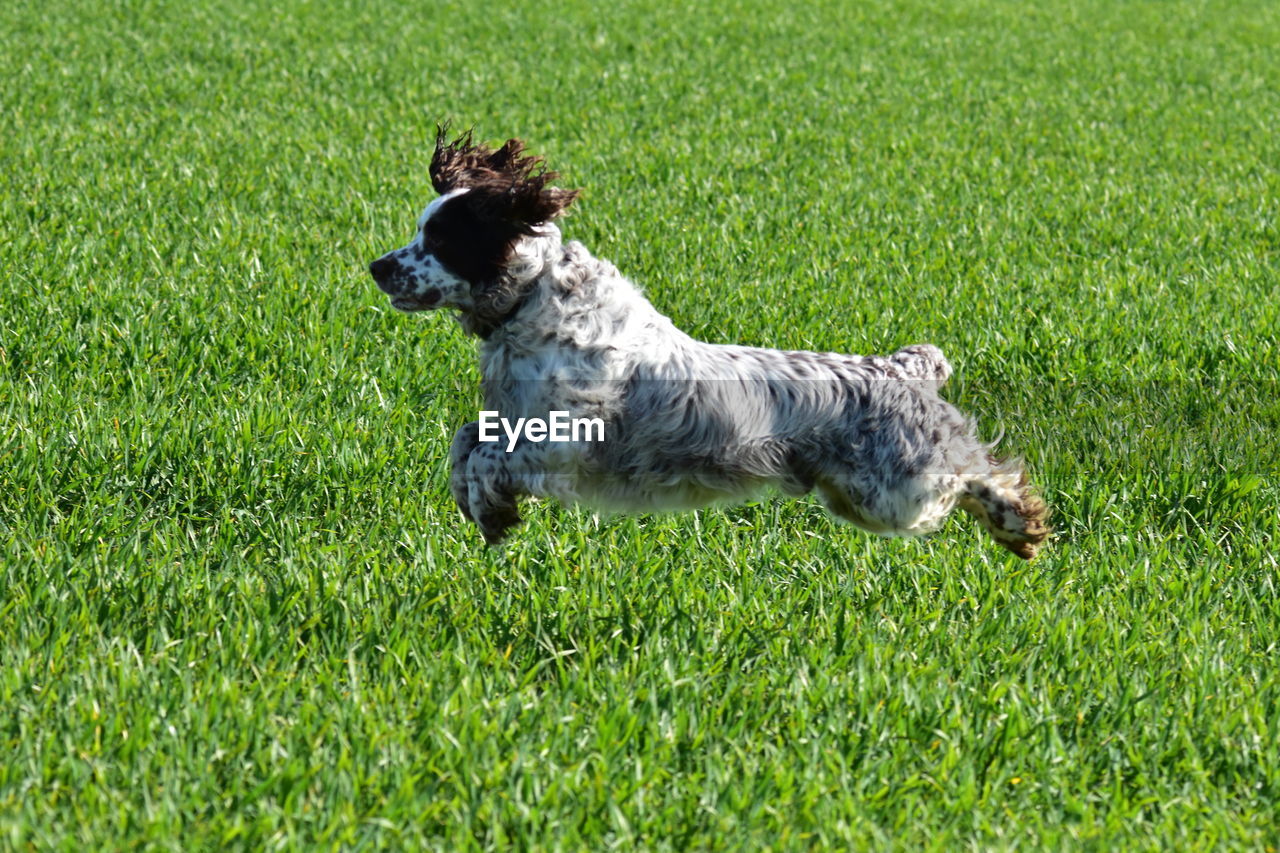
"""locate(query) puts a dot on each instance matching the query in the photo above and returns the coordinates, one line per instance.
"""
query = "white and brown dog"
(686, 423)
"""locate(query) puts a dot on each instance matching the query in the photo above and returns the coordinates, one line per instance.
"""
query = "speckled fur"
(687, 423)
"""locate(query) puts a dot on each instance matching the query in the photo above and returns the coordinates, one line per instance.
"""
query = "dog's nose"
(382, 268)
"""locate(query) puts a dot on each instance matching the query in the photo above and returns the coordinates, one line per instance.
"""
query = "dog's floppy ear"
(504, 184)
(520, 192)
(450, 160)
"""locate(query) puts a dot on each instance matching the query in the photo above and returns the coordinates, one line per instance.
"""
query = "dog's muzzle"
(391, 279)
(385, 271)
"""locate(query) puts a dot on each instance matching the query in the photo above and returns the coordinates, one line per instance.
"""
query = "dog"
(686, 423)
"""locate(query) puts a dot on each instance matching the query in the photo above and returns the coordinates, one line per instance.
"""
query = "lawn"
(239, 610)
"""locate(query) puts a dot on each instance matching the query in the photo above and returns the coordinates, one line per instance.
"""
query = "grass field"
(238, 609)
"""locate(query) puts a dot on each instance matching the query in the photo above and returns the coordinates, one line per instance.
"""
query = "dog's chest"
(532, 382)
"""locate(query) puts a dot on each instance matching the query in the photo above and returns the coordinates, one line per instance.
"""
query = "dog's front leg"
(465, 440)
(487, 491)
(489, 478)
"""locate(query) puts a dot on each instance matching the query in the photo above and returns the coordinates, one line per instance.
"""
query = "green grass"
(237, 608)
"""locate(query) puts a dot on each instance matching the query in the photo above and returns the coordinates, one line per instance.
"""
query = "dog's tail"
(1006, 504)
(921, 361)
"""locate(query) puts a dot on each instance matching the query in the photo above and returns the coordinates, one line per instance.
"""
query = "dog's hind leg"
(844, 503)
(912, 506)
(1004, 503)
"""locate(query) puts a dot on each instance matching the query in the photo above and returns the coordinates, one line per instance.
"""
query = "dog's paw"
(496, 522)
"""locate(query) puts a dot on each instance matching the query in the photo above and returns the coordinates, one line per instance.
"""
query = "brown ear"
(556, 201)
(529, 201)
(507, 160)
(505, 184)
(523, 204)
(450, 160)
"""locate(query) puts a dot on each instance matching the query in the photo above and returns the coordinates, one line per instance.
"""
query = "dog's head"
(466, 239)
